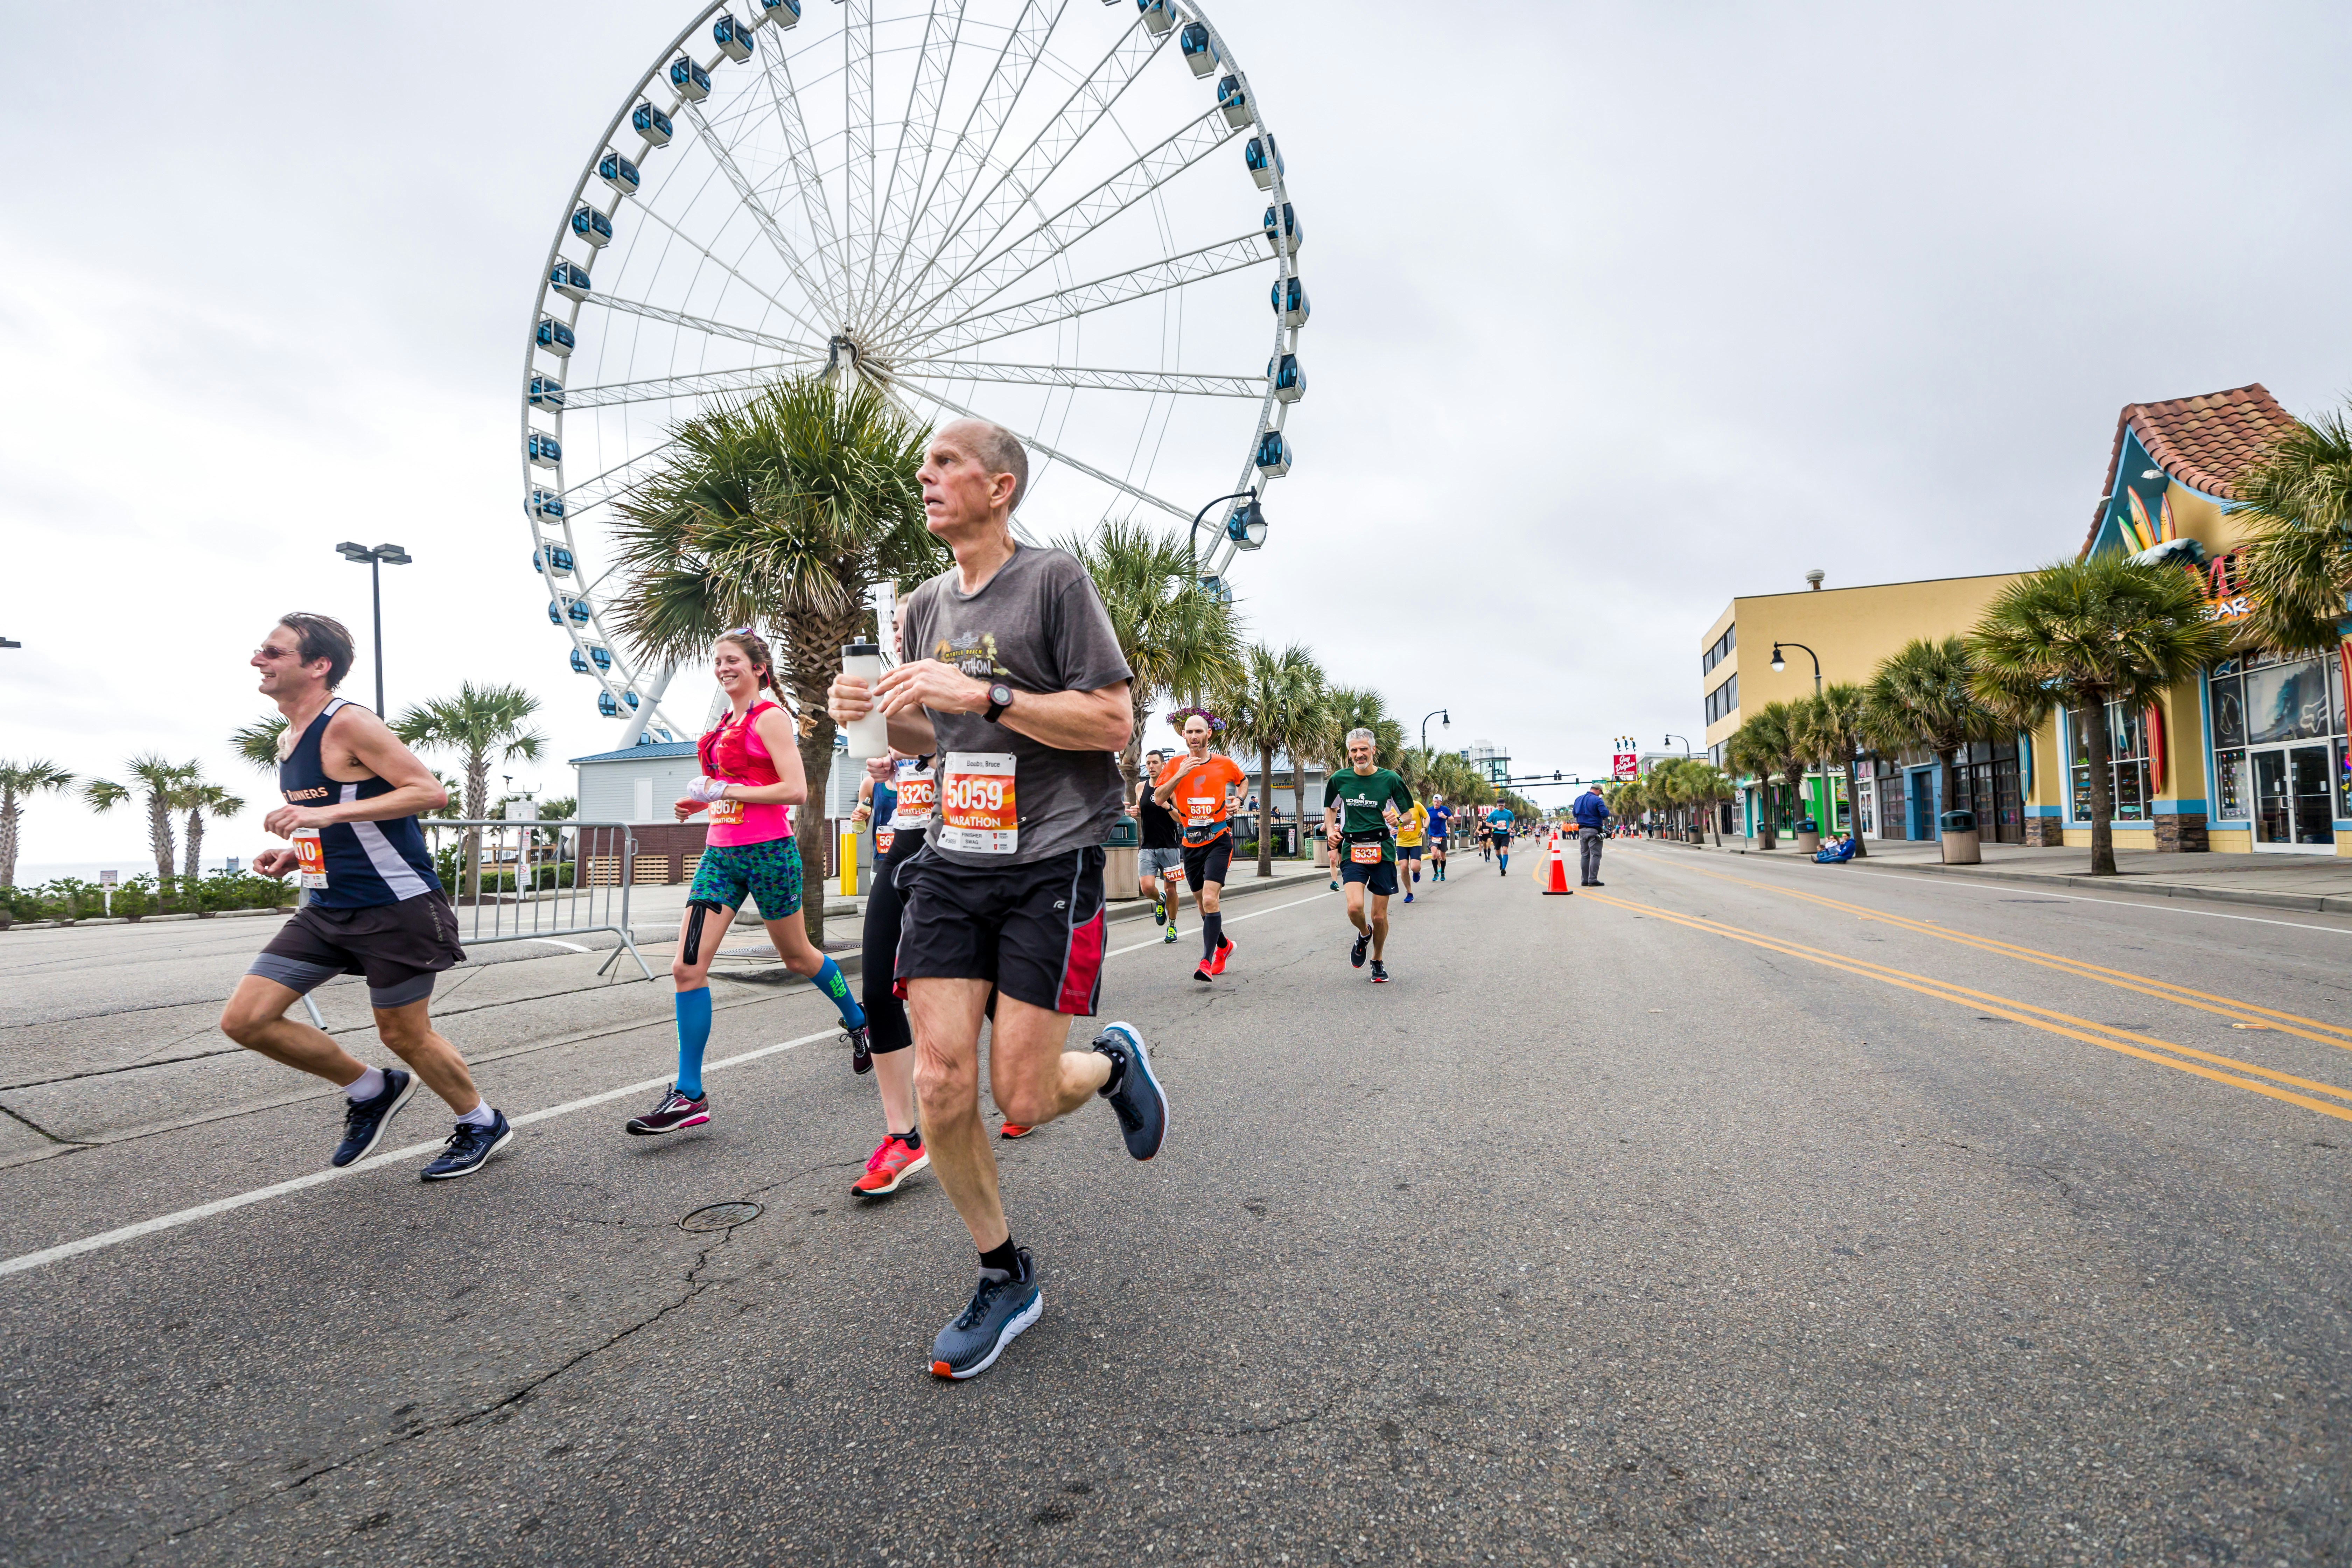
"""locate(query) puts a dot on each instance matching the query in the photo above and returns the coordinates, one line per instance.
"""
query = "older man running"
(1014, 679)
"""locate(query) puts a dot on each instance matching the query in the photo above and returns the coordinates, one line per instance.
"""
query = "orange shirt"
(1199, 802)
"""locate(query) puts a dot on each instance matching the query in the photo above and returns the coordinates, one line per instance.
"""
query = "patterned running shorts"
(770, 872)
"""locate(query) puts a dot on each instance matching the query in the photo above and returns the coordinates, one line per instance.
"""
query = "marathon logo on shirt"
(977, 660)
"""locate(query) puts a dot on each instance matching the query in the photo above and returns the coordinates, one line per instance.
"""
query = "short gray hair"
(1001, 450)
(1365, 735)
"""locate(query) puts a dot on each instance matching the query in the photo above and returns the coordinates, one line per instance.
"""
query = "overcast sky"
(1620, 310)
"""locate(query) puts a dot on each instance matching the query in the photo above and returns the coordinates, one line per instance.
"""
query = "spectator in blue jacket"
(1592, 816)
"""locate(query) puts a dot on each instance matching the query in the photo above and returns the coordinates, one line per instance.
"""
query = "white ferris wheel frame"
(636, 689)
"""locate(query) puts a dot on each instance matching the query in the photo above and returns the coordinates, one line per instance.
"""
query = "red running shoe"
(891, 1166)
(1217, 962)
(1014, 1130)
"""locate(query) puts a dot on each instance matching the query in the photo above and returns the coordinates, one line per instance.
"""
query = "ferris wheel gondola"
(1021, 210)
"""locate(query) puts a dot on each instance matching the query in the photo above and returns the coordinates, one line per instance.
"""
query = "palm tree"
(19, 781)
(195, 796)
(1835, 725)
(2084, 634)
(160, 781)
(1763, 745)
(1274, 704)
(2297, 566)
(1349, 708)
(481, 724)
(257, 743)
(785, 509)
(1177, 640)
(1924, 695)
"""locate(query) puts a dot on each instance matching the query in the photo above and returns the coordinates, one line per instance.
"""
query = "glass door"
(2274, 812)
(2294, 798)
(2315, 800)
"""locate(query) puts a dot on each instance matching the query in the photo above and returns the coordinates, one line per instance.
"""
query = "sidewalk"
(2315, 883)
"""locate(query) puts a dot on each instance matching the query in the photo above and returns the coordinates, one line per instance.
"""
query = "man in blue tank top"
(353, 791)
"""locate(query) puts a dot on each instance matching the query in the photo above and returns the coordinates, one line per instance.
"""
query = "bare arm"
(791, 787)
(367, 741)
(1099, 720)
(1167, 792)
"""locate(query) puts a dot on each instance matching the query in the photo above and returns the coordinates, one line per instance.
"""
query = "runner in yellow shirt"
(1410, 827)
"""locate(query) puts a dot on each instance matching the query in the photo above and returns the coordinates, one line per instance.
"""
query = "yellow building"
(1850, 631)
(2251, 755)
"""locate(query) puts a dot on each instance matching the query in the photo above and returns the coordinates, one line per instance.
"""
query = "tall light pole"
(1683, 738)
(1444, 720)
(1779, 664)
(377, 559)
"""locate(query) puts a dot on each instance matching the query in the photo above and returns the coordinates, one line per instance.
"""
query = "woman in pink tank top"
(751, 777)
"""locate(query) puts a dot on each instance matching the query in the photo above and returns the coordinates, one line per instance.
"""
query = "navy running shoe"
(470, 1148)
(1133, 1092)
(364, 1120)
(1363, 945)
(1002, 1306)
(1379, 972)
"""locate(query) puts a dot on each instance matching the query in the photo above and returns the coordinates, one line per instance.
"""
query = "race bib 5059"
(977, 812)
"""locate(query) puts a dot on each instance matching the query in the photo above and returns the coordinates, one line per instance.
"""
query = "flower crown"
(1176, 720)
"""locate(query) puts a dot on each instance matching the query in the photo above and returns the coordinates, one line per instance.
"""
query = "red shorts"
(1035, 930)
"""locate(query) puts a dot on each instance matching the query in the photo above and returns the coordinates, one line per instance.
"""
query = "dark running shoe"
(861, 1054)
(1133, 1092)
(675, 1114)
(470, 1148)
(364, 1120)
(1379, 972)
(1002, 1306)
(1363, 945)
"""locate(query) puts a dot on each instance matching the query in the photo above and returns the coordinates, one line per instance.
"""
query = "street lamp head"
(392, 555)
(1444, 720)
(1246, 527)
(1778, 664)
(351, 552)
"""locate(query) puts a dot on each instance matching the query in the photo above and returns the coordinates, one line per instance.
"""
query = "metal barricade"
(536, 881)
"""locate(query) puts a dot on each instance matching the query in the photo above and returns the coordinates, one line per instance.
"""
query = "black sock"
(912, 1140)
(1213, 935)
(1004, 1257)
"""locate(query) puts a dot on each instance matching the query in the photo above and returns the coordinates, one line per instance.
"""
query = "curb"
(2256, 898)
(142, 920)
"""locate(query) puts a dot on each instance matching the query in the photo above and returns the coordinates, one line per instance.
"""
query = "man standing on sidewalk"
(1592, 819)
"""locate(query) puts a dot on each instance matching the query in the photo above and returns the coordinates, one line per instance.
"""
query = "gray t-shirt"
(1036, 626)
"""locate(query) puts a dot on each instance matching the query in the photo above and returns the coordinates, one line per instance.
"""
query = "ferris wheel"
(1030, 211)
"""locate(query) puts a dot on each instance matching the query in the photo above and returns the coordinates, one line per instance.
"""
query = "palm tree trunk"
(1853, 807)
(2103, 805)
(1264, 800)
(1951, 786)
(477, 801)
(196, 860)
(159, 840)
(1767, 818)
(9, 814)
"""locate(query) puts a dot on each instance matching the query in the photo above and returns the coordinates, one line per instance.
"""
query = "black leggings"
(885, 1015)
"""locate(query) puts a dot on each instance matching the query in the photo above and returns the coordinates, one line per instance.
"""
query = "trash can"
(1961, 845)
(1808, 835)
(1322, 850)
(1119, 851)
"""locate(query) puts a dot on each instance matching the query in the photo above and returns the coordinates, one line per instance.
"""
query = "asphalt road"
(1731, 1214)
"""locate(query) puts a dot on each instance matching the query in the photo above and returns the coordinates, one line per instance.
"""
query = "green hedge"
(71, 898)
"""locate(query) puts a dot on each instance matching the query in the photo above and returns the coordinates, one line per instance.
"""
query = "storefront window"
(2131, 796)
(2278, 724)
(2229, 785)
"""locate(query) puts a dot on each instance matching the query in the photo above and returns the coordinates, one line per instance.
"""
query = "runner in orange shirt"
(1201, 788)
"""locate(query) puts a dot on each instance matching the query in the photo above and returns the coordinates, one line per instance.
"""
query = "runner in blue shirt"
(1440, 820)
(1499, 823)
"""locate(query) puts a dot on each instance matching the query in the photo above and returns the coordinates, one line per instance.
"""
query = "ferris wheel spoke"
(1119, 289)
(589, 494)
(924, 99)
(724, 266)
(1035, 445)
(1083, 378)
(1024, 44)
(698, 385)
(987, 218)
(801, 165)
(857, 171)
(709, 328)
(750, 197)
(979, 283)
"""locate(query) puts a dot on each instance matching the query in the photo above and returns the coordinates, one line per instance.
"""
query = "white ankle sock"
(481, 1116)
(367, 1086)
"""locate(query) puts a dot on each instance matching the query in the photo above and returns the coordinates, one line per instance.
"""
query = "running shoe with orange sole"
(1217, 963)
(892, 1163)
(1014, 1130)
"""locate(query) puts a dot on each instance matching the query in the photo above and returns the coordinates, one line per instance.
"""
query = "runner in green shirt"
(1360, 807)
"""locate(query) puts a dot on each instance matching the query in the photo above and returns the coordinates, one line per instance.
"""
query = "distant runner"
(1441, 821)
(1498, 827)
(1200, 789)
(1410, 825)
(353, 791)
(1362, 805)
(1160, 866)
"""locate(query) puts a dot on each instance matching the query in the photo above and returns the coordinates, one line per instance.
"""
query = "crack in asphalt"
(29, 1121)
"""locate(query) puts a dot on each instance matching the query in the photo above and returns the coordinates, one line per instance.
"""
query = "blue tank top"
(368, 863)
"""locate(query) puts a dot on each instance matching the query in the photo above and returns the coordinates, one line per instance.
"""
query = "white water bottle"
(870, 736)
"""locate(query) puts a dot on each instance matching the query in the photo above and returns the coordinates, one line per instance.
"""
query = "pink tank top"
(733, 752)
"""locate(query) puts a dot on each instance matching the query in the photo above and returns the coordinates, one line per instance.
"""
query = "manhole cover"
(719, 1216)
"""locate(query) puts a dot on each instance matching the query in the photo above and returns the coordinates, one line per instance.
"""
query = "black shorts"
(1034, 931)
(1408, 851)
(1208, 862)
(1380, 878)
(399, 947)
(885, 1015)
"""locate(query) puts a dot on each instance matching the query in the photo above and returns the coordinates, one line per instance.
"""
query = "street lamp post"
(377, 559)
(1445, 720)
(1779, 664)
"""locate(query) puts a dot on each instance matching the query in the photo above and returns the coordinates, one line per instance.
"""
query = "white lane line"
(63, 1251)
(567, 946)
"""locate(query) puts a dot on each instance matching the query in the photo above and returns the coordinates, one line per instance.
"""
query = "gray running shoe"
(1001, 1308)
(1133, 1090)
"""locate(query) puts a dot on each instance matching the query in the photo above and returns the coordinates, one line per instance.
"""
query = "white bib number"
(917, 792)
(1365, 854)
(311, 855)
(978, 813)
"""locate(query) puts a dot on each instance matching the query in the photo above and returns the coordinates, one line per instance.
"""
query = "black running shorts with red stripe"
(1034, 931)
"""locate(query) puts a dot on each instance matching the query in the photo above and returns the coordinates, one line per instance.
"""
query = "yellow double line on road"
(2108, 1037)
(2246, 1012)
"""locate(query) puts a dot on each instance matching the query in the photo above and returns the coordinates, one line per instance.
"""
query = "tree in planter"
(1834, 727)
(1925, 695)
(481, 724)
(19, 781)
(785, 507)
(2082, 635)
(160, 781)
(1763, 745)
(1178, 641)
(1274, 704)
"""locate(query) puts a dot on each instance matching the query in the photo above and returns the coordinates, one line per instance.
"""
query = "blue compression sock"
(834, 983)
(693, 1035)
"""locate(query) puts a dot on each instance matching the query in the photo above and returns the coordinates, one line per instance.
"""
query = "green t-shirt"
(1360, 797)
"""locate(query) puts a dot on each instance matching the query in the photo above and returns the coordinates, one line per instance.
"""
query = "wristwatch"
(999, 697)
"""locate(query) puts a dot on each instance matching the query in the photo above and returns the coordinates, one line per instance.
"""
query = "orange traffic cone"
(1556, 879)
